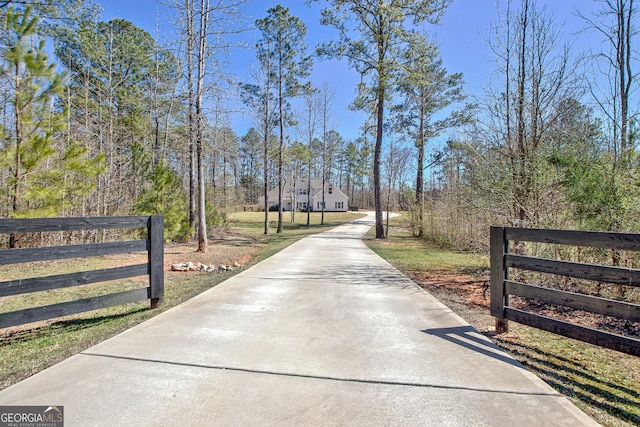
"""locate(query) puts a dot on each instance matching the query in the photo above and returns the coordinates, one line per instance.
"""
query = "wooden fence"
(153, 245)
(502, 287)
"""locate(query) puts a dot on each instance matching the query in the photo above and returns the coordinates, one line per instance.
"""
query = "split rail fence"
(153, 245)
(502, 287)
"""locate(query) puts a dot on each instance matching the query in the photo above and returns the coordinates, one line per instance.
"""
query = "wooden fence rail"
(153, 245)
(502, 287)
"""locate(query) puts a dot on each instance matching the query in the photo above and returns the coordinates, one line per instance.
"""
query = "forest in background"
(102, 118)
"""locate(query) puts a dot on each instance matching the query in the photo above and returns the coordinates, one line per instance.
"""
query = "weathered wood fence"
(153, 245)
(502, 287)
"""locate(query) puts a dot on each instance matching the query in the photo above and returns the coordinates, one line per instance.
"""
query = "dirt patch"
(465, 295)
(219, 252)
(469, 297)
(474, 291)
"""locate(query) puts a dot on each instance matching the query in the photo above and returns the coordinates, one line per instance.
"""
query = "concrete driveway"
(323, 333)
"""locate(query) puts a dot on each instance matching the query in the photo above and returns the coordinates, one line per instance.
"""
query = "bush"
(166, 196)
(215, 219)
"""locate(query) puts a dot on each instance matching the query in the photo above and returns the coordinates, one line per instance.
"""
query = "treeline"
(103, 118)
(100, 118)
(554, 139)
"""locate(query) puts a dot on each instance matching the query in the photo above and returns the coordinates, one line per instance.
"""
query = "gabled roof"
(316, 188)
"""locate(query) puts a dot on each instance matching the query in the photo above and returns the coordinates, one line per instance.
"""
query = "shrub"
(167, 197)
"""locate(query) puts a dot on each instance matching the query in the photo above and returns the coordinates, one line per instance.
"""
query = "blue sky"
(461, 38)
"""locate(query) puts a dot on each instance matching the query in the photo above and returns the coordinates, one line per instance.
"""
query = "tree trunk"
(376, 165)
(521, 196)
(17, 174)
(202, 221)
(266, 171)
(281, 148)
(191, 125)
(420, 173)
(624, 67)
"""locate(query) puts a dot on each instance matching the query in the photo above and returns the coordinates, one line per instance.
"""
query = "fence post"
(498, 247)
(156, 259)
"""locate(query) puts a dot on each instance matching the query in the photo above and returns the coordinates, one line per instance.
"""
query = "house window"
(339, 205)
(330, 190)
(320, 205)
(302, 205)
(302, 192)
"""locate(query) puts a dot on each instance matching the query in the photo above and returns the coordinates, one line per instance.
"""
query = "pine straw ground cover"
(28, 349)
(603, 383)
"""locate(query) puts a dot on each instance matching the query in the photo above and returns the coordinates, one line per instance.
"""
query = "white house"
(297, 196)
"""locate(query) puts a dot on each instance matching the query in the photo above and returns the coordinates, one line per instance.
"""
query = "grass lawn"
(603, 383)
(28, 349)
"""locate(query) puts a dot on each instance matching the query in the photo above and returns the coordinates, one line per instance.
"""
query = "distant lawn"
(255, 220)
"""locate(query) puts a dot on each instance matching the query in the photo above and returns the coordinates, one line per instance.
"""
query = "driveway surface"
(323, 333)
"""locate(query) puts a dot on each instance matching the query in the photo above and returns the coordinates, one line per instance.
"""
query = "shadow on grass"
(573, 379)
(63, 326)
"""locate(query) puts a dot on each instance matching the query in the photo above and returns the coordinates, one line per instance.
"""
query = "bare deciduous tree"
(612, 82)
(531, 60)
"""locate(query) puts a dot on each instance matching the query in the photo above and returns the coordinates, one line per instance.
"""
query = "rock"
(179, 267)
(190, 266)
(236, 264)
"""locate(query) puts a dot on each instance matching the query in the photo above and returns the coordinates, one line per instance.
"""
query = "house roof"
(316, 187)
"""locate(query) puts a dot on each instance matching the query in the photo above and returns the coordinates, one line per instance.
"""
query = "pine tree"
(283, 47)
(372, 47)
(43, 172)
(166, 196)
(427, 89)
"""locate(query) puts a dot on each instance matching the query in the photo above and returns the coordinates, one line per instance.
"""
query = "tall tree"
(326, 104)
(43, 172)
(199, 130)
(206, 26)
(311, 110)
(536, 74)
(382, 28)
(249, 160)
(427, 89)
(113, 71)
(190, 61)
(284, 36)
(616, 23)
(259, 98)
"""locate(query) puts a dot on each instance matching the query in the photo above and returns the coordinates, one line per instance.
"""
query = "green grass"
(251, 224)
(603, 383)
(29, 349)
(409, 254)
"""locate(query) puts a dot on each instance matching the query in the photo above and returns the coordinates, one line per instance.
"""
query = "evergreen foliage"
(46, 175)
(165, 196)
